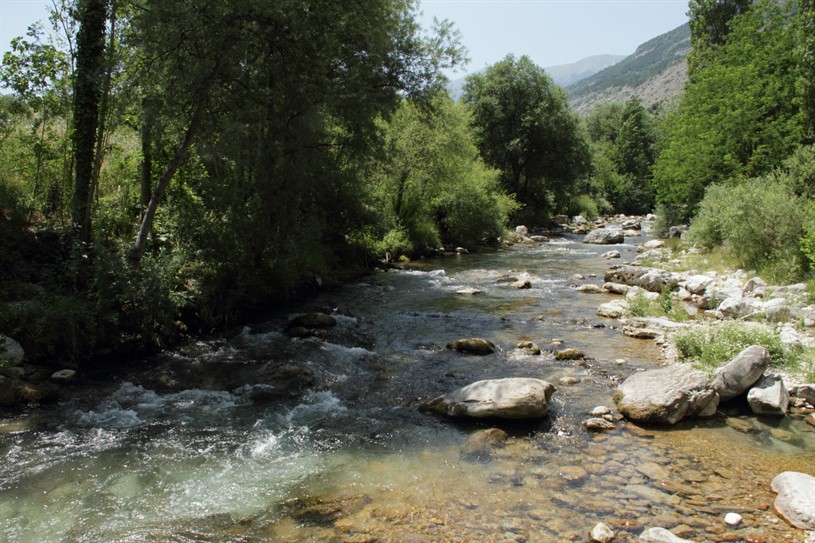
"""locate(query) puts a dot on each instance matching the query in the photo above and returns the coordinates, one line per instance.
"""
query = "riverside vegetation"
(162, 171)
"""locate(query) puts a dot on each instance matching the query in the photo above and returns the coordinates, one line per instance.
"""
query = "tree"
(431, 185)
(806, 62)
(88, 85)
(739, 116)
(526, 130)
(710, 23)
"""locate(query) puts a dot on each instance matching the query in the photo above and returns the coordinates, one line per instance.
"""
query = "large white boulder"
(796, 498)
(604, 236)
(510, 398)
(666, 395)
(660, 535)
(741, 373)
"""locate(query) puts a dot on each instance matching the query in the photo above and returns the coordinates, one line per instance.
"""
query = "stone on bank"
(666, 395)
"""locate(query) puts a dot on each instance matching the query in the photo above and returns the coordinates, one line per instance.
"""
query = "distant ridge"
(655, 72)
(563, 74)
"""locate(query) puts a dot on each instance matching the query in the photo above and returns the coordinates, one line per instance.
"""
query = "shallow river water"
(347, 457)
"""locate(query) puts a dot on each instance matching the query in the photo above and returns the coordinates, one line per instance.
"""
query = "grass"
(640, 306)
(709, 346)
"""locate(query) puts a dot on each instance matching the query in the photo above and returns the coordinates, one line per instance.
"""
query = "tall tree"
(710, 22)
(526, 130)
(88, 83)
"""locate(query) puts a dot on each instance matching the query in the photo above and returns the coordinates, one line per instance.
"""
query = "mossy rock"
(477, 346)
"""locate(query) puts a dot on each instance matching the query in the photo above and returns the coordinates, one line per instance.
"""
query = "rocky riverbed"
(307, 426)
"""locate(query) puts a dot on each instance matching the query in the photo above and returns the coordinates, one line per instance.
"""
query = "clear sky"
(554, 32)
(551, 32)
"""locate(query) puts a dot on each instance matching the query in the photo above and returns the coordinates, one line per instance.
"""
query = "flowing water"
(199, 445)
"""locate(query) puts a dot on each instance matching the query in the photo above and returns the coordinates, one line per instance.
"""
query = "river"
(346, 456)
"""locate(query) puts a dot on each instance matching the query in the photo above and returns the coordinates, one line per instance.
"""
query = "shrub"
(759, 221)
(710, 346)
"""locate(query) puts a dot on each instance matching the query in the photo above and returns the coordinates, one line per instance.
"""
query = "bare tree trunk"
(137, 250)
(146, 175)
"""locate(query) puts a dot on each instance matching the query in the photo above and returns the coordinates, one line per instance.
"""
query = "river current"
(346, 456)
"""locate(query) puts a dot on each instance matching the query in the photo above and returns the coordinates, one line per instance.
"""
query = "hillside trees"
(622, 143)
(526, 130)
(739, 116)
(710, 22)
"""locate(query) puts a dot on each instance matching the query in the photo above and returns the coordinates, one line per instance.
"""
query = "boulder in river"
(796, 498)
(312, 320)
(613, 309)
(604, 236)
(480, 445)
(529, 346)
(610, 254)
(666, 395)
(769, 396)
(510, 398)
(472, 345)
(11, 353)
(569, 354)
(741, 373)
(601, 533)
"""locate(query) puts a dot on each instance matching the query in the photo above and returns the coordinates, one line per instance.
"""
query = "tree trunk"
(90, 69)
(137, 250)
(104, 115)
(146, 176)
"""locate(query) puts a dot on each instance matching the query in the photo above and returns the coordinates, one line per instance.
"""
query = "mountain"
(655, 72)
(563, 74)
(568, 74)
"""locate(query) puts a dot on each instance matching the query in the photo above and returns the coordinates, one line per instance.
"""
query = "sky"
(550, 32)
(554, 32)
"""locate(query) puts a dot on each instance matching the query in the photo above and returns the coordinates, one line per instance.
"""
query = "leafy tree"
(526, 130)
(431, 185)
(739, 116)
(623, 139)
(710, 23)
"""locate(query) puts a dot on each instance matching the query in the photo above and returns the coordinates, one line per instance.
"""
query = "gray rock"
(539, 239)
(613, 310)
(610, 254)
(631, 224)
(657, 280)
(753, 284)
(796, 498)
(530, 347)
(741, 373)
(732, 308)
(677, 231)
(616, 288)
(596, 424)
(579, 219)
(11, 352)
(769, 396)
(601, 533)
(480, 446)
(666, 395)
(696, 284)
(652, 244)
(63, 376)
(604, 236)
(660, 535)
(590, 288)
(473, 345)
(522, 284)
(510, 398)
(521, 231)
(806, 391)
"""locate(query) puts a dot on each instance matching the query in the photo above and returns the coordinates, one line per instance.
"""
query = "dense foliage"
(740, 115)
(623, 138)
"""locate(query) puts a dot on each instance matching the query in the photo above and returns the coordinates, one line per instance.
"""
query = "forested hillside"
(655, 72)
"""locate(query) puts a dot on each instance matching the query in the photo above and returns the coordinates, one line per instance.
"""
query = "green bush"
(711, 346)
(667, 216)
(760, 221)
